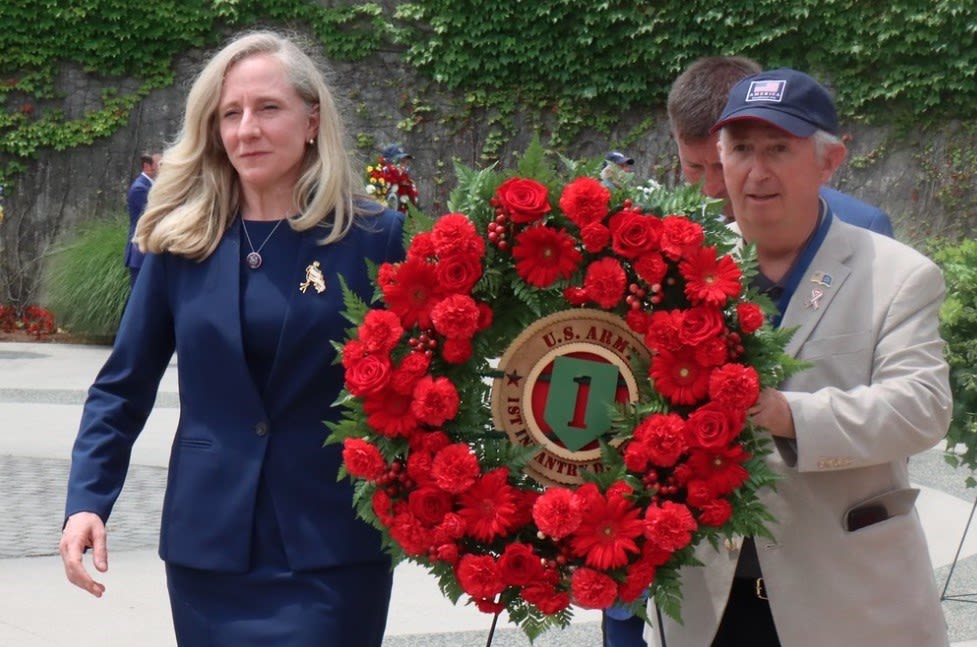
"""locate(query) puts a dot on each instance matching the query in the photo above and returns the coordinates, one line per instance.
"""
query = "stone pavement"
(42, 388)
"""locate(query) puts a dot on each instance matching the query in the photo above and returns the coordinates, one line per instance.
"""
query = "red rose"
(605, 281)
(368, 376)
(435, 400)
(669, 526)
(455, 468)
(458, 273)
(700, 323)
(585, 200)
(523, 200)
(479, 576)
(750, 316)
(363, 460)
(520, 564)
(592, 589)
(456, 317)
(429, 504)
(734, 386)
(713, 426)
(634, 233)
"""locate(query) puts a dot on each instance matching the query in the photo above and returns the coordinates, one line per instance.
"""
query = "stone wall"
(925, 181)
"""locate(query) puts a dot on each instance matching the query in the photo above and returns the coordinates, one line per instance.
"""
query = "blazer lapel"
(824, 277)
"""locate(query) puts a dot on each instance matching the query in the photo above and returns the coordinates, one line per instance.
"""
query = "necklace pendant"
(253, 260)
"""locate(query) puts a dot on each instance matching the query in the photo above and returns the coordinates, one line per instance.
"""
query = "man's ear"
(833, 158)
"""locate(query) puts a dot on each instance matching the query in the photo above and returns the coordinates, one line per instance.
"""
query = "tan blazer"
(877, 394)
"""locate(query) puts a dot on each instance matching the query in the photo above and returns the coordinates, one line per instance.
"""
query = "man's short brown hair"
(699, 93)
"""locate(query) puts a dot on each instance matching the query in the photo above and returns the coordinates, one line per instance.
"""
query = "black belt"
(755, 584)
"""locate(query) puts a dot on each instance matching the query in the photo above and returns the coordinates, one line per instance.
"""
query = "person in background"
(256, 214)
(136, 203)
(617, 168)
(390, 179)
(845, 534)
(695, 101)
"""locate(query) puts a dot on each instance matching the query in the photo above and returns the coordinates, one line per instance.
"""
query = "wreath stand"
(961, 597)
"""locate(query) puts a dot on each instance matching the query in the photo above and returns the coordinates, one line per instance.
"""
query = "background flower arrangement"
(447, 489)
(391, 183)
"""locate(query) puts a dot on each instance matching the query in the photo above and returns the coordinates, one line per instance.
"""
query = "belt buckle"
(760, 589)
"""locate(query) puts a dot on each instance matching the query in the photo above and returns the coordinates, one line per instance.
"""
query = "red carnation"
(716, 513)
(479, 576)
(455, 468)
(708, 280)
(557, 512)
(413, 293)
(605, 281)
(520, 564)
(750, 316)
(585, 200)
(429, 504)
(545, 597)
(575, 296)
(435, 400)
(523, 200)
(455, 317)
(712, 352)
(713, 426)
(650, 268)
(678, 377)
(595, 237)
(419, 468)
(592, 589)
(381, 331)
(680, 236)
(638, 321)
(363, 460)
(454, 234)
(663, 438)
(734, 386)
(663, 331)
(669, 526)
(382, 506)
(422, 247)
(544, 255)
(411, 369)
(408, 531)
(634, 233)
(488, 508)
(456, 351)
(639, 577)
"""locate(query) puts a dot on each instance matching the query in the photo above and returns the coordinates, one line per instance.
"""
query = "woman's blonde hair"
(196, 195)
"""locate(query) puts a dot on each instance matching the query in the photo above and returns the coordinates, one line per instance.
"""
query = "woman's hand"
(84, 530)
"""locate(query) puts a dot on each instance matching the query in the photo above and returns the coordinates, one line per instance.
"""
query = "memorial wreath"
(550, 408)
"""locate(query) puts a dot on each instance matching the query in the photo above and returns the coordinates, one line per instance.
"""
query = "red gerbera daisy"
(709, 280)
(543, 255)
(413, 293)
(722, 469)
(679, 377)
(489, 507)
(608, 529)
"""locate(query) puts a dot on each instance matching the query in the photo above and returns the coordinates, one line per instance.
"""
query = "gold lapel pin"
(313, 277)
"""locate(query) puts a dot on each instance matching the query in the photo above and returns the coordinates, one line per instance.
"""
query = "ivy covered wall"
(86, 85)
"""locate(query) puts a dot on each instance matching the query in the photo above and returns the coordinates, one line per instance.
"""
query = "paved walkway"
(42, 387)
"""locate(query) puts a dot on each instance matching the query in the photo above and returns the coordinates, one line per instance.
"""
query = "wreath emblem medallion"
(558, 381)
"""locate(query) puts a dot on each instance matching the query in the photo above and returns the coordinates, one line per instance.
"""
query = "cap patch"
(772, 91)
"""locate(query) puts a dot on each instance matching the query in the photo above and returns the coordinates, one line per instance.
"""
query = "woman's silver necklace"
(253, 259)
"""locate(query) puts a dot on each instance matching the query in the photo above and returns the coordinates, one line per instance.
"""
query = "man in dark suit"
(136, 204)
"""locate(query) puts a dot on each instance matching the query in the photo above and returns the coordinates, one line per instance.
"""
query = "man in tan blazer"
(848, 564)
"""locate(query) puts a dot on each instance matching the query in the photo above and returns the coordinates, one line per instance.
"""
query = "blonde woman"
(254, 216)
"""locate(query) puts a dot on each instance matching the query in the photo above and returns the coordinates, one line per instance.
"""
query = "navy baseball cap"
(395, 153)
(784, 98)
(617, 157)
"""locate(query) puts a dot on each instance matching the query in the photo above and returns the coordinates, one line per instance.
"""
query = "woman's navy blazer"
(229, 435)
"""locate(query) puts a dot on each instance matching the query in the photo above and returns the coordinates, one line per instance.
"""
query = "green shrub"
(85, 282)
(958, 326)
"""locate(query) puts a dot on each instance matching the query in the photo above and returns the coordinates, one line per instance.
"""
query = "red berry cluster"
(498, 233)
(395, 481)
(423, 343)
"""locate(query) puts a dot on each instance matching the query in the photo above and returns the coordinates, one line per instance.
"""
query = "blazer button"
(261, 428)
